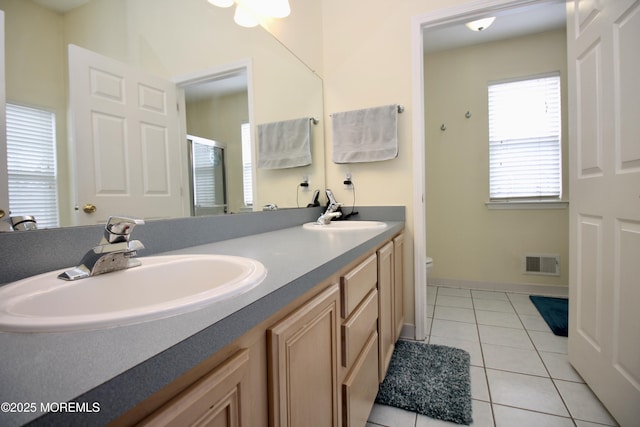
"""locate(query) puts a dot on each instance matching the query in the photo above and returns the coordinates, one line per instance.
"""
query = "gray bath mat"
(429, 379)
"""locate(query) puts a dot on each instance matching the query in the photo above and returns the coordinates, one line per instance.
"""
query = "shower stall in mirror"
(208, 189)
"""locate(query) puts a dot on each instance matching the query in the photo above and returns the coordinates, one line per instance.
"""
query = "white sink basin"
(162, 286)
(345, 225)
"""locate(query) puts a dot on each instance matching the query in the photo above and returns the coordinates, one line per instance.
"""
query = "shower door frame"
(191, 139)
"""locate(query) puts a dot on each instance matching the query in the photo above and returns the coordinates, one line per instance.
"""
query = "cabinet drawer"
(357, 328)
(360, 388)
(356, 284)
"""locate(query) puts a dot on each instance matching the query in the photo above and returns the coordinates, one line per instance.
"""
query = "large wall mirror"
(228, 79)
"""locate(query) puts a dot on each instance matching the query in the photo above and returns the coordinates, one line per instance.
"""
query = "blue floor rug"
(432, 380)
(555, 312)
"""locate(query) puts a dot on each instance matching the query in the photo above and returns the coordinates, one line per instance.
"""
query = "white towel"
(368, 135)
(284, 144)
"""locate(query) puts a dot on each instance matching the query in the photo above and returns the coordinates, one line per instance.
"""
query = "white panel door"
(4, 179)
(604, 93)
(125, 131)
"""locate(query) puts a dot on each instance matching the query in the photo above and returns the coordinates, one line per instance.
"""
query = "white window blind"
(247, 176)
(31, 164)
(207, 160)
(525, 139)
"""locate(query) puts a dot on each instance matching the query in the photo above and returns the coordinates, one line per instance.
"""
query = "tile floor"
(520, 375)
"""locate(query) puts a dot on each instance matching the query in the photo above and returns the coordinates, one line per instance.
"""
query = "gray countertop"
(113, 370)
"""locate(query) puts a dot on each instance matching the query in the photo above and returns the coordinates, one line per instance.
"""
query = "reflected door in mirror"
(125, 129)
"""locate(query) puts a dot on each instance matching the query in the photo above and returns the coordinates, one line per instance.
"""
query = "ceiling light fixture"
(279, 9)
(480, 24)
(249, 13)
(221, 3)
(245, 17)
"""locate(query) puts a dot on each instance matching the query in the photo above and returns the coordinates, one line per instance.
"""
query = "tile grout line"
(492, 405)
(521, 373)
(545, 365)
(484, 363)
(435, 299)
(541, 412)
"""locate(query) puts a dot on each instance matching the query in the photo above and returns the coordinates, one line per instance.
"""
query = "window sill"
(528, 204)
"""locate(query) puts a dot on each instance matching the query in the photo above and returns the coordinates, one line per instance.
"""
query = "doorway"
(438, 24)
(443, 31)
(215, 115)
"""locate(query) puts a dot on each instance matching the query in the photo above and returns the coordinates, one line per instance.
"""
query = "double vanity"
(321, 322)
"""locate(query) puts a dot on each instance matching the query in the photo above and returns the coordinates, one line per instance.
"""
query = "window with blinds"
(247, 176)
(31, 164)
(525, 139)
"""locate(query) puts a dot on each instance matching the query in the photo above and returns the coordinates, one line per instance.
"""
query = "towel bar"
(400, 110)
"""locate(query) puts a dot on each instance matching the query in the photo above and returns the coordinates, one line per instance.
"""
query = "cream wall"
(468, 242)
(368, 62)
(301, 32)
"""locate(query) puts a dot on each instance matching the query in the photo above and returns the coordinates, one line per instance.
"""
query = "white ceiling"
(510, 23)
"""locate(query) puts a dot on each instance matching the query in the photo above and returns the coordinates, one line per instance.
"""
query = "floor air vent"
(548, 265)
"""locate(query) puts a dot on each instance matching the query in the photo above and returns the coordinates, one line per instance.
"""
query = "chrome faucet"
(114, 252)
(332, 210)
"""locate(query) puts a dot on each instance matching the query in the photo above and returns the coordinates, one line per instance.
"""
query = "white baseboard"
(520, 288)
(408, 331)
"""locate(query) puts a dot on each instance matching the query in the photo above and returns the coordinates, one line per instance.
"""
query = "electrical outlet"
(348, 184)
(305, 183)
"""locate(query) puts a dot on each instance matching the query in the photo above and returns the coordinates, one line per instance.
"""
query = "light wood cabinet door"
(386, 325)
(398, 284)
(303, 364)
(219, 399)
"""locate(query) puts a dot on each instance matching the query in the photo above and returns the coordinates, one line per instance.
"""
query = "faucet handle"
(118, 229)
(331, 200)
